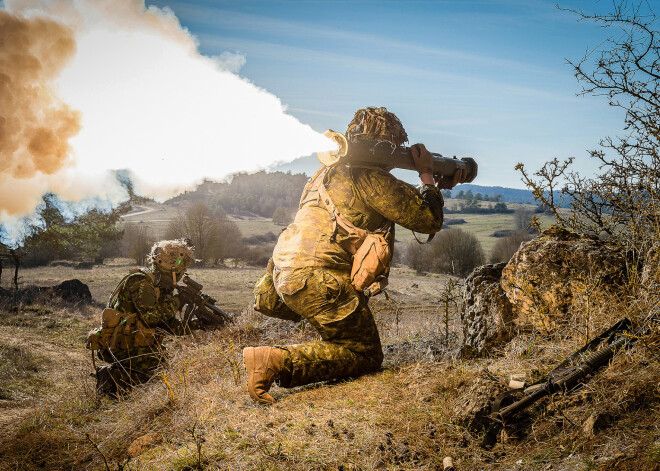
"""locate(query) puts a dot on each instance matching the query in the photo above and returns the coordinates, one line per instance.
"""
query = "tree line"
(261, 193)
(91, 235)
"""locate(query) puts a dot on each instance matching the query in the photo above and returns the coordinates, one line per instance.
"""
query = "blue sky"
(487, 79)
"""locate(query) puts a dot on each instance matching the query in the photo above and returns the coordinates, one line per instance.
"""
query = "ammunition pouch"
(120, 331)
(371, 262)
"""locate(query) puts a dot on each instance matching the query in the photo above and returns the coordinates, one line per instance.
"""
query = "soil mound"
(70, 291)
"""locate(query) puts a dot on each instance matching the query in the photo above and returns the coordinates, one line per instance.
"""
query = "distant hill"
(509, 195)
(263, 192)
(310, 164)
(259, 193)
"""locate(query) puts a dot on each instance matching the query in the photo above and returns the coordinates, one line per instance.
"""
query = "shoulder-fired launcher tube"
(382, 154)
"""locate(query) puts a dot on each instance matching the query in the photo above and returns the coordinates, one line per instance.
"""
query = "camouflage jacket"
(367, 197)
(139, 295)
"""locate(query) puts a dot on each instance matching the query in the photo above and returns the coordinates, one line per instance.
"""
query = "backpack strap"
(338, 219)
(119, 286)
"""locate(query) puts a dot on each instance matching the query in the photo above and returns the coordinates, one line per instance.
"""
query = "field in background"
(157, 216)
(414, 295)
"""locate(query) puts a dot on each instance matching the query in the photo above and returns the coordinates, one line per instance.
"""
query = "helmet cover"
(376, 124)
(171, 255)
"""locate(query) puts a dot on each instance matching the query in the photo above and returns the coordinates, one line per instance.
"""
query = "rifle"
(567, 377)
(198, 306)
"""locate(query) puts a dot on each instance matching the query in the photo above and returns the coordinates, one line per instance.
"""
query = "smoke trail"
(145, 101)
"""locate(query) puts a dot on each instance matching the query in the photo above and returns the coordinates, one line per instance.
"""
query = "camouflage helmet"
(376, 124)
(170, 256)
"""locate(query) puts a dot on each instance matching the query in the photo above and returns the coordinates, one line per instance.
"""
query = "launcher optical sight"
(384, 154)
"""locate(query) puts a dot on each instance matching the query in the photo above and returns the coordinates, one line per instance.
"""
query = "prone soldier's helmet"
(376, 124)
(171, 256)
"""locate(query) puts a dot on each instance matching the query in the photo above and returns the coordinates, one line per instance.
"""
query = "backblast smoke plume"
(92, 86)
(35, 126)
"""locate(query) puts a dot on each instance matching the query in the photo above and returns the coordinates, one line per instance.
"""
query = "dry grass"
(197, 414)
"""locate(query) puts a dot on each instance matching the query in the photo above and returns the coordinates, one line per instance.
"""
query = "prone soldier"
(140, 312)
(335, 255)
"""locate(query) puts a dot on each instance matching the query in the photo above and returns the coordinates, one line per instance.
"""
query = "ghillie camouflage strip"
(376, 124)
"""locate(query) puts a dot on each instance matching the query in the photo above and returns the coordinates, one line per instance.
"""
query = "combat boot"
(263, 366)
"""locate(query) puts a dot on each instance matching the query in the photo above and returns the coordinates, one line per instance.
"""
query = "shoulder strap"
(338, 219)
(312, 183)
(123, 280)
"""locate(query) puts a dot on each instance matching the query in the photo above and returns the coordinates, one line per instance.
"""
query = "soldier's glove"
(447, 183)
(422, 158)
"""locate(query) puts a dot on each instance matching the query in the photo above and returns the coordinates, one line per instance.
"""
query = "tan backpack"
(120, 330)
(372, 251)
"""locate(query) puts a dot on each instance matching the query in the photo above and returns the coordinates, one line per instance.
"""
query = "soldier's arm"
(153, 311)
(419, 210)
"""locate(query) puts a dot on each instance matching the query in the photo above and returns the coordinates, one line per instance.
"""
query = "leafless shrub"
(137, 242)
(622, 202)
(505, 247)
(452, 251)
(214, 236)
(522, 218)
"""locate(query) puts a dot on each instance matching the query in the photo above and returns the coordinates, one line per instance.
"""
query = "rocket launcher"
(384, 154)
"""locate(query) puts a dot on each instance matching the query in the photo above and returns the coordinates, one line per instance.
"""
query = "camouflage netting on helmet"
(376, 124)
(171, 255)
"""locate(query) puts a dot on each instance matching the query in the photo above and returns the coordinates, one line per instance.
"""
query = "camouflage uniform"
(312, 267)
(157, 310)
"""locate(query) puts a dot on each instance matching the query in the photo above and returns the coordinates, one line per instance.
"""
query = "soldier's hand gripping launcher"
(384, 154)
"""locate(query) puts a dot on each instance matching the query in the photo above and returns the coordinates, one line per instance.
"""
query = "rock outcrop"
(559, 273)
(73, 291)
(546, 282)
(487, 314)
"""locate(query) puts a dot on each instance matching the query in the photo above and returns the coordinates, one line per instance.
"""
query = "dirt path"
(138, 211)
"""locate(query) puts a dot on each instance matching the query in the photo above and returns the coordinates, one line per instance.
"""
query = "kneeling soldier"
(334, 256)
(138, 315)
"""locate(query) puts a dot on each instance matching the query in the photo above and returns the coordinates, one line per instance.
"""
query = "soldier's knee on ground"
(111, 381)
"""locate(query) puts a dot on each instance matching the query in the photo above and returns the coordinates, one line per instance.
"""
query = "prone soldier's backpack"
(120, 330)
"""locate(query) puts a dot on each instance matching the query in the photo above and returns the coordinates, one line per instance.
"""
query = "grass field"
(196, 414)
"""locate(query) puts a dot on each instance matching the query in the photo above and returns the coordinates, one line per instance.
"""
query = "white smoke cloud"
(151, 103)
(230, 61)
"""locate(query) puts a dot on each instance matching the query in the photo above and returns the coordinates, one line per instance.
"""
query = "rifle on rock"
(568, 377)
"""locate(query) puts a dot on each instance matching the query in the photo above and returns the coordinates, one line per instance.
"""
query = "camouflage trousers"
(350, 344)
(127, 368)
